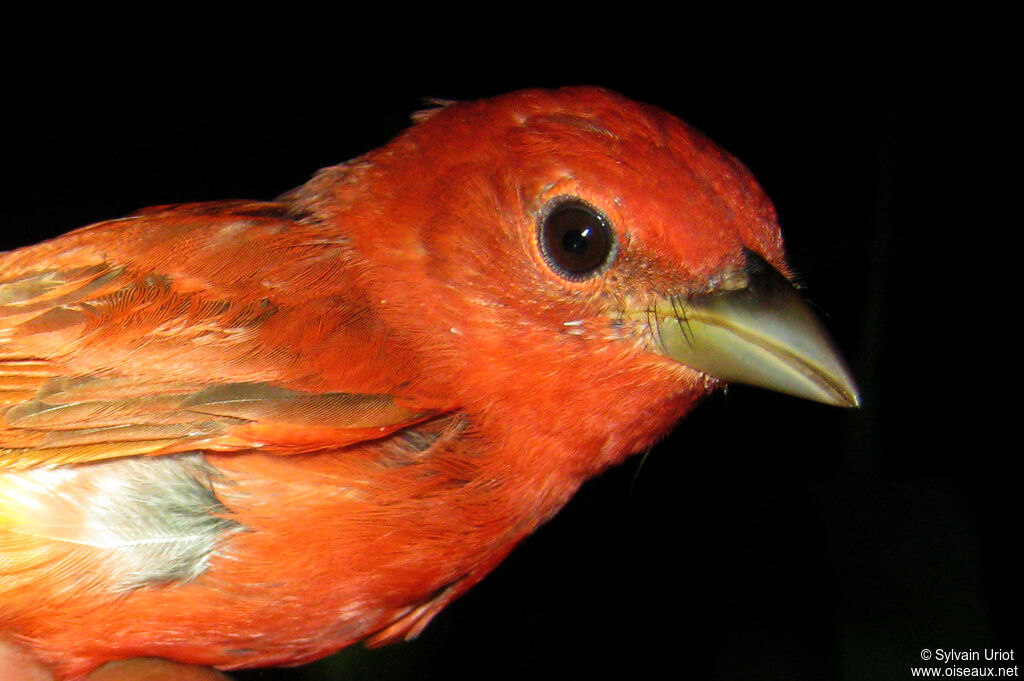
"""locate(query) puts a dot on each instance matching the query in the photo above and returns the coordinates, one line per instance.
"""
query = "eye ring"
(576, 239)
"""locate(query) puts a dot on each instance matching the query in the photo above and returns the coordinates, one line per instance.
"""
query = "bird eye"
(576, 239)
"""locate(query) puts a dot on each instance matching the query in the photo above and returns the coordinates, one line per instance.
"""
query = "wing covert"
(217, 327)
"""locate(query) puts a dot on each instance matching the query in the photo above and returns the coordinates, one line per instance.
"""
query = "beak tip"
(837, 385)
(833, 390)
(850, 398)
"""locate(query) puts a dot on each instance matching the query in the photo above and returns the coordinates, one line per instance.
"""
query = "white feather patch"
(150, 519)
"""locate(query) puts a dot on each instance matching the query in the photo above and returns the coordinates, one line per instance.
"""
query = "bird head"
(594, 249)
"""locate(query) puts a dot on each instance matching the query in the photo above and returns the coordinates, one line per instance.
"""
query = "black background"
(768, 537)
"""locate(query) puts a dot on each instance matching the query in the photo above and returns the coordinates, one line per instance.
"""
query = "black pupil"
(576, 239)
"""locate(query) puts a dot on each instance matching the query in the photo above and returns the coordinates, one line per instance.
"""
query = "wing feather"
(190, 328)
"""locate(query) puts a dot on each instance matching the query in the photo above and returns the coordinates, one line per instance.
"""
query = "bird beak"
(756, 329)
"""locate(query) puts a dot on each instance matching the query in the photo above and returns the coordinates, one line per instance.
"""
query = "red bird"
(246, 433)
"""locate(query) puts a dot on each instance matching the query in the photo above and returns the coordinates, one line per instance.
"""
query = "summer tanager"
(251, 433)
